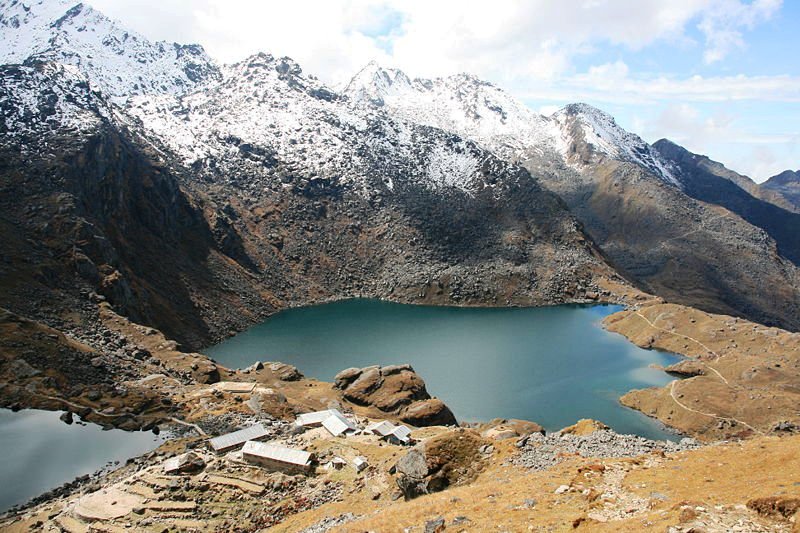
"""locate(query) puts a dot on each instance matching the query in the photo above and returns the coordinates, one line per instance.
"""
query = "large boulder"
(395, 389)
(285, 372)
(431, 412)
(205, 372)
(451, 458)
(501, 429)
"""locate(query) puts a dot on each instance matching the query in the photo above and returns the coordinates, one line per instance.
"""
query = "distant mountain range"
(197, 197)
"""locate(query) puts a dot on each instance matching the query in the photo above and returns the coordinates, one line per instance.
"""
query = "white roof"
(402, 433)
(381, 428)
(276, 453)
(316, 418)
(358, 461)
(173, 464)
(336, 424)
(223, 442)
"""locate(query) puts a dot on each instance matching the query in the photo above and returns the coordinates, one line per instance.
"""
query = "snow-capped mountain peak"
(462, 103)
(118, 62)
(477, 110)
(373, 83)
(599, 129)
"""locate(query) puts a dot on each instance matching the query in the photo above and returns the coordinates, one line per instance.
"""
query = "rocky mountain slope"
(787, 186)
(632, 200)
(710, 182)
(199, 211)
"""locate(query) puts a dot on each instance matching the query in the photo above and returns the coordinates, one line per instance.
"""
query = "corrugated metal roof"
(383, 428)
(360, 463)
(277, 453)
(223, 442)
(315, 418)
(337, 424)
(402, 433)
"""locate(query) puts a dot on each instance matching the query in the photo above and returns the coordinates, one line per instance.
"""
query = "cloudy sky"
(721, 77)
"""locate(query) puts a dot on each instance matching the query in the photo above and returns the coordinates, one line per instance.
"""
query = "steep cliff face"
(95, 210)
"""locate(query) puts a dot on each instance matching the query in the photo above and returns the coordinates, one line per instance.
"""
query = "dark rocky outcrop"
(449, 459)
(396, 390)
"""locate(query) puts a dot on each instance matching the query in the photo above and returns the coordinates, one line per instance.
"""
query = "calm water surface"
(553, 365)
(40, 452)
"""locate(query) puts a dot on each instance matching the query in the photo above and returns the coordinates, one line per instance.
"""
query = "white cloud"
(723, 23)
(722, 136)
(613, 83)
(511, 42)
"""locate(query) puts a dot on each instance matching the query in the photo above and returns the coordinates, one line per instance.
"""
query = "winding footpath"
(718, 374)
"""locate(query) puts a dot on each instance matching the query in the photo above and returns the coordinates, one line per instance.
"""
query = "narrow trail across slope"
(701, 227)
(716, 372)
(706, 348)
(711, 415)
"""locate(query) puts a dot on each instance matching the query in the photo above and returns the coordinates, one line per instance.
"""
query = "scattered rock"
(540, 452)
(437, 525)
(20, 369)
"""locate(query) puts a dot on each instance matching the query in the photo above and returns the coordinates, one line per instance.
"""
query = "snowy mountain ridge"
(118, 62)
(182, 96)
(479, 111)
(462, 103)
(266, 112)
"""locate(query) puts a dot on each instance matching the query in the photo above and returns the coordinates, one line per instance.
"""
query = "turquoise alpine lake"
(40, 452)
(552, 365)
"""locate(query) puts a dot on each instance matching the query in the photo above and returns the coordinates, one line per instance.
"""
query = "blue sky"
(757, 135)
(720, 77)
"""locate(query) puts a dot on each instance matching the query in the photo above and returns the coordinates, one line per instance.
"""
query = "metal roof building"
(360, 463)
(382, 428)
(337, 424)
(314, 419)
(401, 434)
(223, 443)
(277, 457)
(398, 434)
